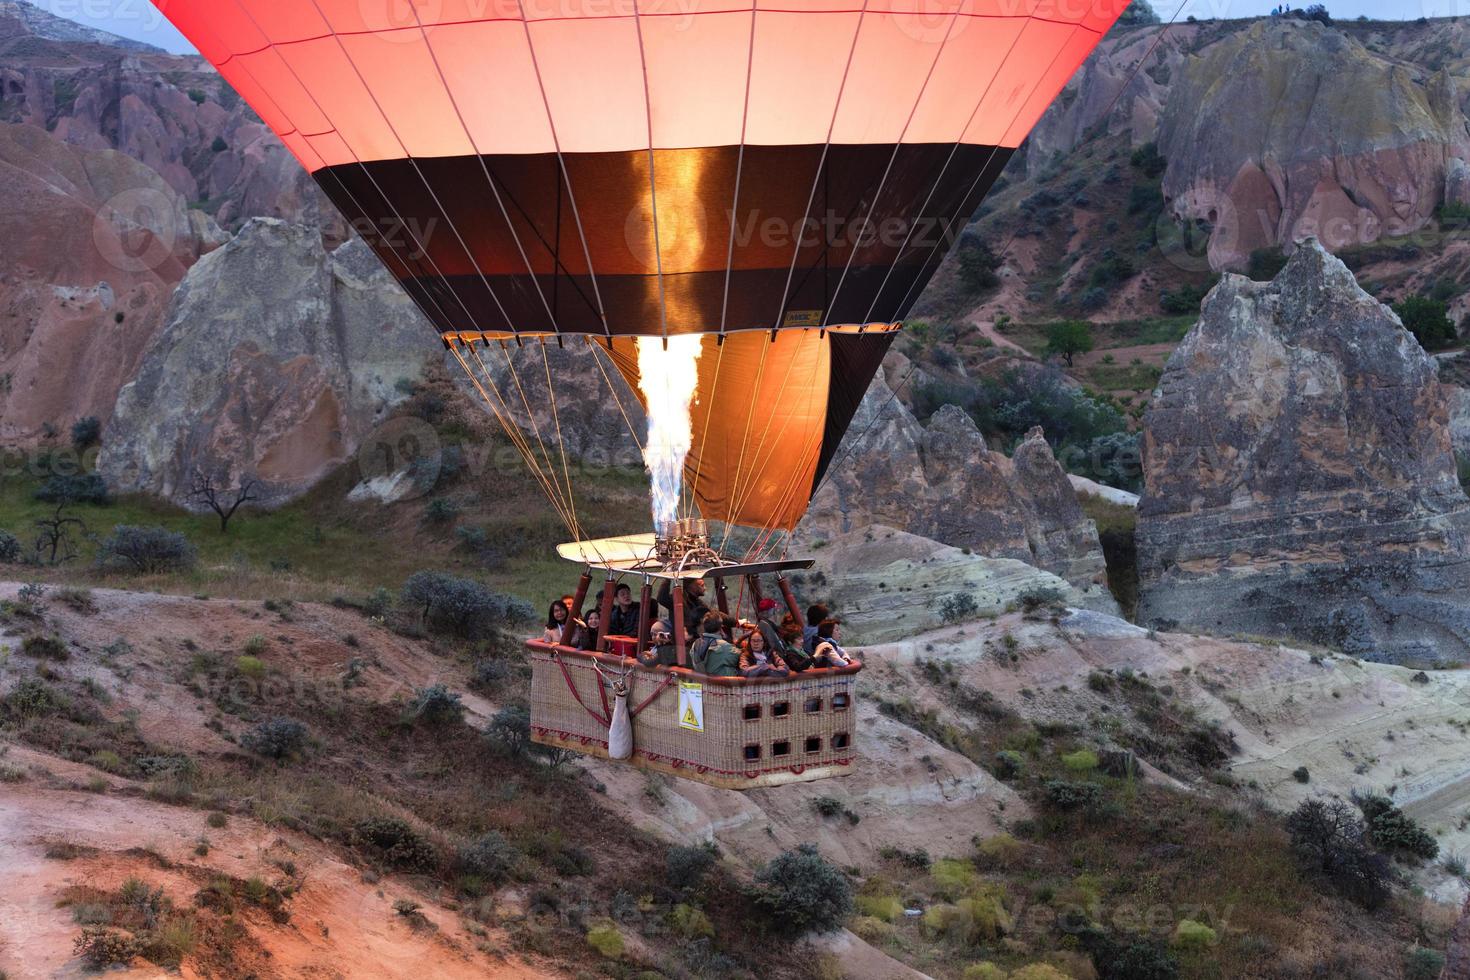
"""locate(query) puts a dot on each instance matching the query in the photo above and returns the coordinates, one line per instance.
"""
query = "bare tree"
(54, 543)
(218, 499)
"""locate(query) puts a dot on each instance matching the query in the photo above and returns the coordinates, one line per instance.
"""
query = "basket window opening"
(813, 705)
(752, 753)
(813, 743)
(839, 740)
(752, 712)
(840, 701)
(779, 749)
(780, 709)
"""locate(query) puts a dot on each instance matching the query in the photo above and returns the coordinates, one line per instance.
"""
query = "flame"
(668, 371)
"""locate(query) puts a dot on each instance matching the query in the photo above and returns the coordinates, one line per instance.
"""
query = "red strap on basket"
(668, 679)
(600, 719)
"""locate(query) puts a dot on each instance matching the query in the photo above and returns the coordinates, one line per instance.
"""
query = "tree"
(977, 264)
(54, 543)
(216, 498)
(802, 892)
(85, 433)
(1427, 319)
(1069, 338)
(1328, 838)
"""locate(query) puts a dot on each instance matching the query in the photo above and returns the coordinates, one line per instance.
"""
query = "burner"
(684, 542)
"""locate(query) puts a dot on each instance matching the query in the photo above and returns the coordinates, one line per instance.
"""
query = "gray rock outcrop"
(276, 358)
(942, 482)
(1299, 478)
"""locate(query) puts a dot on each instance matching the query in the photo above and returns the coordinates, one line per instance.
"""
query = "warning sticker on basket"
(691, 706)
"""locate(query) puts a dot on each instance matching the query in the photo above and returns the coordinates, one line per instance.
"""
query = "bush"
(250, 667)
(1039, 971)
(958, 607)
(1428, 320)
(988, 971)
(1183, 301)
(1081, 761)
(487, 676)
(9, 548)
(1069, 796)
(278, 738)
(102, 948)
(1265, 263)
(489, 857)
(510, 729)
(44, 647)
(31, 698)
(1423, 964)
(606, 939)
(219, 145)
(436, 705)
(802, 892)
(1328, 839)
(690, 923)
(1111, 270)
(686, 866)
(79, 488)
(1192, 935)
(396, 843)
(1008, 764)
(1147, 157)
(1393, 831)
(441, 510)
(886, 908)
(977, 265)
(1301, 775)
(461, 606)
(146, 550)
(1000, 851)
(86, 432)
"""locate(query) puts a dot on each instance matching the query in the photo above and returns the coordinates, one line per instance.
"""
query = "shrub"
(802, 892)
(1427, 319)
(102, 948)
(488, 675)
(1081, 761)
(1039, 971)
(1328, 839)
(1114, 460)
(461, 606)
(44, 647)
(1192, 935)
(146, 549)
(78, 488)
(510, 729)
(1000, 850)
(9, 548)
(1423, 964)
(255, 645)
(252, 667)
(1301, 775)
(396, 843)
(86, 432)
(1062, 794)
(436, 705)
(441, 510)
(606, 939)
(985, 971)
(954, 876)
(873, 931)
(958, 607)
(1147, 158)
(278, 738)
(1392, 830)
(686, 866)
(1068, 338)
(406, 907)
(489, 857)
(1008, 764)
(219, 145)
(31, 698)
(690, 922)
(887, 908)
(977, 264)
(1265, 263)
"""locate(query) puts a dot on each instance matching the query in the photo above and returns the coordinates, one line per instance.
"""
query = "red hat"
(766, 605)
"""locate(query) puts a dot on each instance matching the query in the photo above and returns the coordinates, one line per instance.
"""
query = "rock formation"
(1325, 138)
(1299, 478)
(93, 244)
(941, 481)
(275, 360)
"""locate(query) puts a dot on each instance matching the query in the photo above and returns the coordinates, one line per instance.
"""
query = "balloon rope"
(597, 354)
(536, 430)
(560, 442)
(512, 431)
(739, 167)
(658, 257)
(812, 444)
(892, 157)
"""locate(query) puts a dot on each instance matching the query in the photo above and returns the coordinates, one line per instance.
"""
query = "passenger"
(713, 654)
(814, 616)
(586, 638)
(662, 653)
(556, 621)
(623, 620)
(766, 610)
(695, 608)
(786, 641)
(829, 653)
(759, 660)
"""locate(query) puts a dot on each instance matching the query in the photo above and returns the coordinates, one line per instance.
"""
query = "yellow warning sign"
(691, 706)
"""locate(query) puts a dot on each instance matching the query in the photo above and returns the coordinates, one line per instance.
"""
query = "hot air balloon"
(732, 204)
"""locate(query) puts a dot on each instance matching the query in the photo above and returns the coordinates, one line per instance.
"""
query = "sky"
(140, 20)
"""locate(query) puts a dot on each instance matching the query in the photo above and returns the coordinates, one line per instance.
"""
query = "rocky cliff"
(275, 359)
(941, 481)
(1299, 478)
(93, 245)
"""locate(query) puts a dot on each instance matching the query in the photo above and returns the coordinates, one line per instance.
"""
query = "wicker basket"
(755, 732)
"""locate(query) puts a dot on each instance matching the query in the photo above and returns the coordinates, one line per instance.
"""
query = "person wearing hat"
(662, 653)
